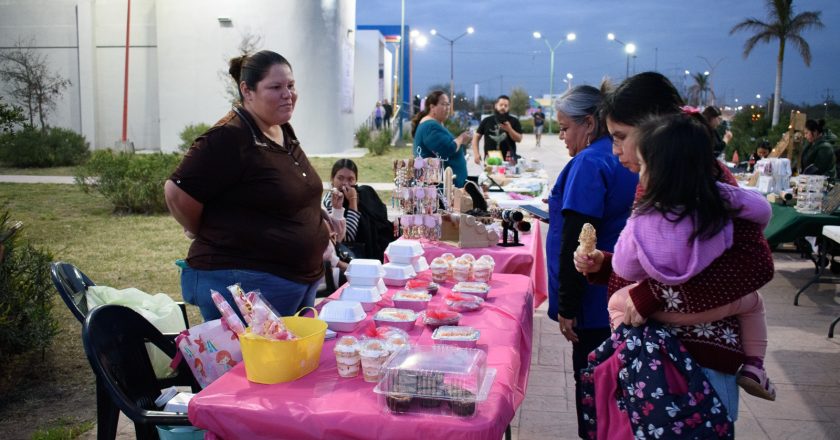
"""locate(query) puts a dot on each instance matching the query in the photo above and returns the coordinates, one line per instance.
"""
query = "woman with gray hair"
(592, 188)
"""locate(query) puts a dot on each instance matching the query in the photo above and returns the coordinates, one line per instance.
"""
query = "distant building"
(178, 51)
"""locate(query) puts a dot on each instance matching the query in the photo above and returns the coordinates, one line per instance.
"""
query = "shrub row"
(133, 183)
(35, 148)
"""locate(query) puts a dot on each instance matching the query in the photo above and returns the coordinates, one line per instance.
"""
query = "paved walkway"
(801, 360)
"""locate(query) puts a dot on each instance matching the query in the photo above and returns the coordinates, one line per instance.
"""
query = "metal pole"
(452, 76)
(125, 83)
(627, 69)
(402, 54)
(551, 88)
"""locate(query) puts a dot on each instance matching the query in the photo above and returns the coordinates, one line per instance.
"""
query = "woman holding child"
(714, 292)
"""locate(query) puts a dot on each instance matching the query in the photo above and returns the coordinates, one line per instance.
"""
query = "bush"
(26, 296)
(362, 136)
(34, 148)
(380, 143)
(133, 183)
(190, 133)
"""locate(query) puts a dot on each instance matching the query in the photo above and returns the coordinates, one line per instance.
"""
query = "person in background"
(714, 118)
(433, 139)
(740, 270)
(592, 188)
(389, 113)
(818, 155)
(762, 151)
(377, 115)
(368, 230)
(501, 131)
(539, 121)
(247, 195)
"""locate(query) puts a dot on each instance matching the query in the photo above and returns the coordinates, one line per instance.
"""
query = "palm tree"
(783, 26)
(699, 92)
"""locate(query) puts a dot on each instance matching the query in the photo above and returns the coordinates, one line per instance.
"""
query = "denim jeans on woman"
(286, 296)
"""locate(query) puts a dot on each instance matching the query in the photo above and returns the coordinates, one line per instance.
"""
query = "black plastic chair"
(72, 284)
(115, 340)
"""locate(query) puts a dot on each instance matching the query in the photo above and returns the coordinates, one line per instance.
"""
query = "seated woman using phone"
(368, 229)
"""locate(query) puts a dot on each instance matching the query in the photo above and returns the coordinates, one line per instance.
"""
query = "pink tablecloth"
(322, 405)
(528, 260)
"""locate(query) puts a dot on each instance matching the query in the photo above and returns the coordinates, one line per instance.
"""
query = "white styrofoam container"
(342, 316)
(361, 267)
(366, 295)
(420, 265)
(398, 271)
(404, 248)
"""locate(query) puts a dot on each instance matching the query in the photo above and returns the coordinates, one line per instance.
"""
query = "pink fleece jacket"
(651, 246)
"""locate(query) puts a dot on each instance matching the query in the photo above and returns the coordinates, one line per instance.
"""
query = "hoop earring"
(588, 140)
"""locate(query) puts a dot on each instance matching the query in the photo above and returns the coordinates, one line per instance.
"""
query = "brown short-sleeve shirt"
(261, 202)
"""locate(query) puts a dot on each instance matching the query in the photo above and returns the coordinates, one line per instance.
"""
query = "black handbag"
(348, 251)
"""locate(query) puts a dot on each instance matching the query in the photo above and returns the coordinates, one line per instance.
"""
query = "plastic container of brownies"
(435, 379)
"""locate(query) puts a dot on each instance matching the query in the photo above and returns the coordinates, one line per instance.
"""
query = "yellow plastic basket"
(270, 361)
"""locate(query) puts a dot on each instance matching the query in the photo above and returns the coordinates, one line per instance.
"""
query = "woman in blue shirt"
(432, 139)
(592, 188)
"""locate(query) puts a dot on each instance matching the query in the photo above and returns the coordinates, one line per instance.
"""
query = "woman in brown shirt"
(247, 195)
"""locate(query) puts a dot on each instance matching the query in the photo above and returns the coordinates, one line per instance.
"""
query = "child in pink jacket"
(680, 226)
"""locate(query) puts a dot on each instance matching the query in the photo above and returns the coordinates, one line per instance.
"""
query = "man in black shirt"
(389, 113)
(502, 132)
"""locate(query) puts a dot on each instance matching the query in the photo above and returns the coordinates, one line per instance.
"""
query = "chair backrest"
(71, 284)
(115, 340)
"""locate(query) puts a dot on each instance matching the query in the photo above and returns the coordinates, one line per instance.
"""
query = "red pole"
(125, 85)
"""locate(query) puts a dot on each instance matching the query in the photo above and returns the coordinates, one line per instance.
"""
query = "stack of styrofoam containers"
(365, 283)
(405, 259)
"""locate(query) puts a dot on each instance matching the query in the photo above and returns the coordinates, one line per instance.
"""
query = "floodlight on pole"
(452, 41)
(571, 36)
(629, 49)
(415, 38)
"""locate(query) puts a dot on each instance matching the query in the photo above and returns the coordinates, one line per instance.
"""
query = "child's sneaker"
(754, 381)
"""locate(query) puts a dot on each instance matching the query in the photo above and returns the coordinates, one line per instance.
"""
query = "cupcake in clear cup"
(347, 356)
(482, 271)
(397, 342)
(461, 270)
(373, 353)
(440, 270)
(469, 257)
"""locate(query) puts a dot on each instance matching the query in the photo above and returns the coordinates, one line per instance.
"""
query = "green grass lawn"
(114, 250)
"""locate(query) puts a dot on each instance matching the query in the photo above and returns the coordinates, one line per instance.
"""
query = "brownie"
(461, 401)
(398, 403)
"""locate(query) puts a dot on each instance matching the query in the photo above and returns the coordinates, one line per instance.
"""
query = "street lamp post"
(452, 60)
(571, 36)
(415, 37)
(629, 48)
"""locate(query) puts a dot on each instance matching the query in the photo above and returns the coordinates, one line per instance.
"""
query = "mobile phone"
(536, 212)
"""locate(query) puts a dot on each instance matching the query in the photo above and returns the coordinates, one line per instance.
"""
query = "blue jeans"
(286, 296)
(726, 388)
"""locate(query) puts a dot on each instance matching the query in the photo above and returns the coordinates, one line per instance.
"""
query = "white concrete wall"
(50, 27)
(178, 50)
(370, 46)
(312, 35)
(143, 84)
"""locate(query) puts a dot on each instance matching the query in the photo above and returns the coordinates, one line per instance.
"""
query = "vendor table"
(322, 405)
(787, 225)
(528, 260)
(507, 200)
